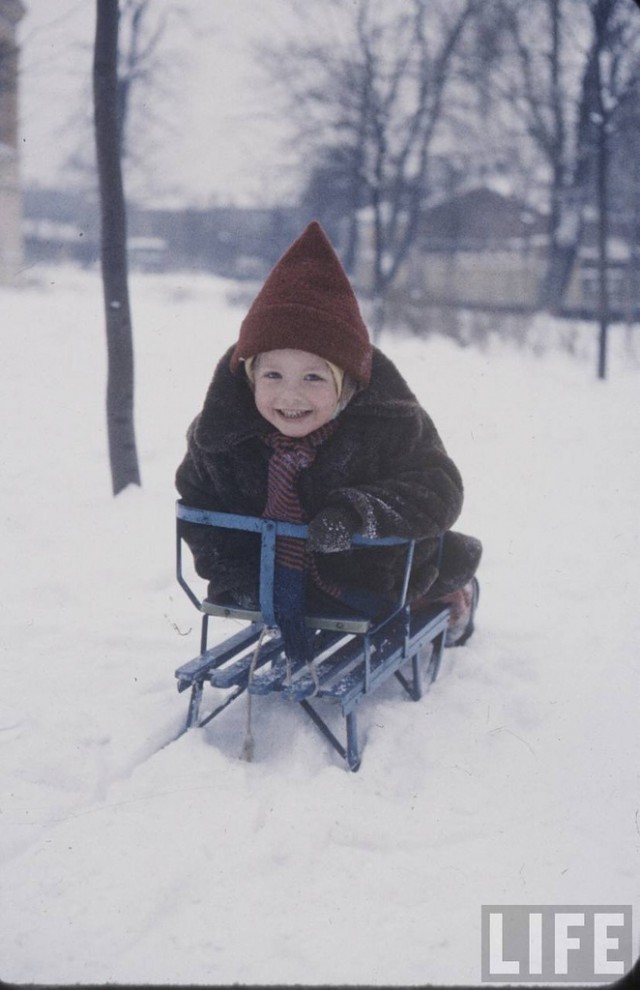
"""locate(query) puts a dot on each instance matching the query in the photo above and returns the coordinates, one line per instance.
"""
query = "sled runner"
(353, 654)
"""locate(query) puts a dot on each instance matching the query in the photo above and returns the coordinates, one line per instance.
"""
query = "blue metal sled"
(353, 654)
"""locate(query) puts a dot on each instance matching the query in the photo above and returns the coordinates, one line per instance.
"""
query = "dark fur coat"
(385, 460)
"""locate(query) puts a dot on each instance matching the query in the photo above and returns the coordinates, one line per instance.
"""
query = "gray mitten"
(332, 529)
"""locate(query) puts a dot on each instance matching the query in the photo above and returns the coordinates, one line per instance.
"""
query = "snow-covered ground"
(515, 780)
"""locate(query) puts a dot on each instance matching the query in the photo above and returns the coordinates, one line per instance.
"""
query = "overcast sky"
(218, 144)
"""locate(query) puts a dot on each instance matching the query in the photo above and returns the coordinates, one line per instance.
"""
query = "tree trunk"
(564, 219)
(603, 239)
(120, 380)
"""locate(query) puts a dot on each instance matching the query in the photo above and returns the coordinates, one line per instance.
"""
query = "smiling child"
(306, 421)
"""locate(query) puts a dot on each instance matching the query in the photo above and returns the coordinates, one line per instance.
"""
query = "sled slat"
(274, 679)
(199, 667)
(238, 672)
(344, 658)
(335, 622)
(388, 657)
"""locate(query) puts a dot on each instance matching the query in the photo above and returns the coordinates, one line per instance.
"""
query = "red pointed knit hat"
(307, 303)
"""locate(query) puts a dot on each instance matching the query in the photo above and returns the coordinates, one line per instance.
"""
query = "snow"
(131, 858)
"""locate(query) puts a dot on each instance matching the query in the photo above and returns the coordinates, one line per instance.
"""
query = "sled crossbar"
(353, 655)
(269, 530)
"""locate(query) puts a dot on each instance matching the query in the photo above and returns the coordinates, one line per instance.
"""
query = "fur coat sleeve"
(225, 470)
(228, 559)
(405, 484)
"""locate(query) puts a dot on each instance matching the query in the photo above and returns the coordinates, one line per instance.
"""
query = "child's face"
(294, 391)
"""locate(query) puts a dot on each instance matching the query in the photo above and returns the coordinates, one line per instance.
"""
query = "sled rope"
(314, 677)
(248, 746)
(311, 667)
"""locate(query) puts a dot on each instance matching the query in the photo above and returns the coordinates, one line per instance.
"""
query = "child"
(306, 421)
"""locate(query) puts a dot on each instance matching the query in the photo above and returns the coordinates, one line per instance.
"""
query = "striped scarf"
(294, 562)
(290, 456)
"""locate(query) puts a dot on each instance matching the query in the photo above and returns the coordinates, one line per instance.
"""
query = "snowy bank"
(515, 780)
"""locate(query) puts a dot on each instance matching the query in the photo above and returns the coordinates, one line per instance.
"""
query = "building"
(11, 11)
(478, 249)
(488, 251)
(243, 243)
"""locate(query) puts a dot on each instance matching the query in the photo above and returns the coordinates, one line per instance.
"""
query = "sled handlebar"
(269, 530)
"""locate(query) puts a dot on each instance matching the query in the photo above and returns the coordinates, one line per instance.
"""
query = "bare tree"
(150, 58)
(373, 96)
(616, 84)
(144, 66)
(8, 80)
(531, 83)
(567, 71)
(120, 384)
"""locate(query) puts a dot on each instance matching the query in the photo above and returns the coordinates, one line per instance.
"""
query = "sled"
(353, 654)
